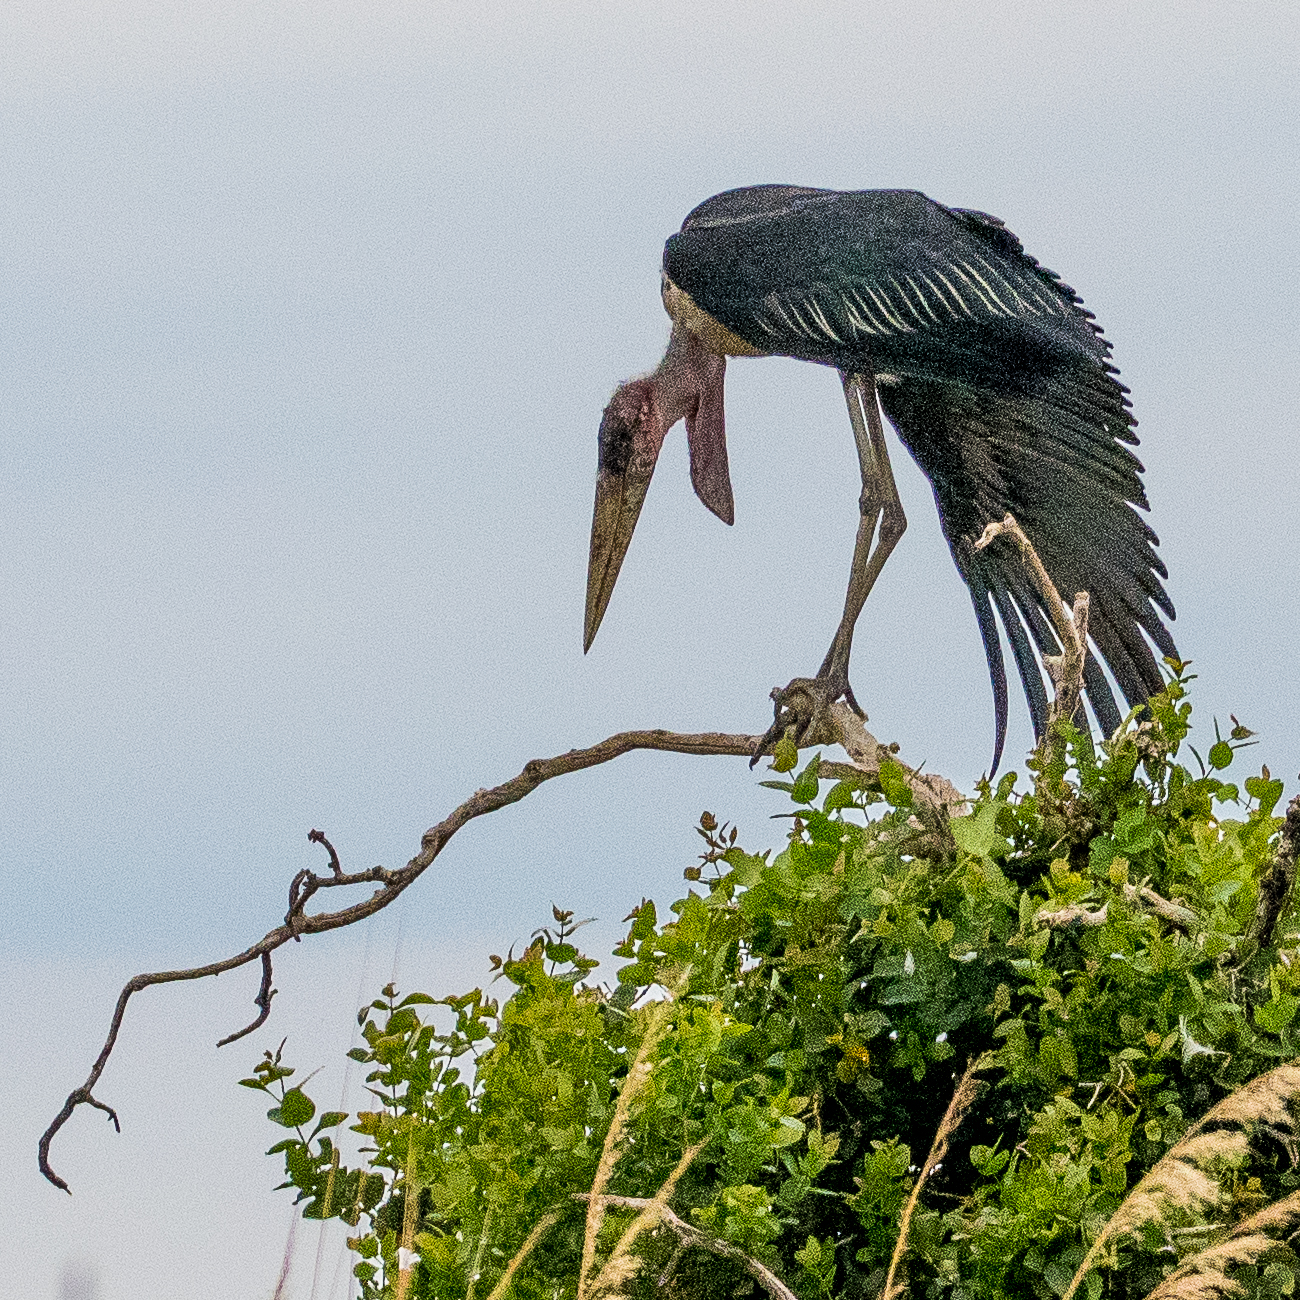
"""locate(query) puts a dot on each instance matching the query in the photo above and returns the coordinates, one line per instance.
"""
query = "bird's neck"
(686, 370)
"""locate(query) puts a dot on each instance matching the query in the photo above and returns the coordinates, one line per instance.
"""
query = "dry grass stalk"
(693, 1236)
(410, 1217)
(1205, 1275)
(1185, 1178)
(1265, 1100)
(637, 1076)
(620, 1265)
(476, 1266)
(540, 1229)
(961, 1102)
(286, 1264)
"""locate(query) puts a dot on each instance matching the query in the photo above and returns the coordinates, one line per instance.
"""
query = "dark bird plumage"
(993, 374)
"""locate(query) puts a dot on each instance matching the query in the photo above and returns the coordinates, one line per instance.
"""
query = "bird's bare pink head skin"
(687, 384)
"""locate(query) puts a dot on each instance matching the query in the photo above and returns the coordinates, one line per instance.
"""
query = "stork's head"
(687, 383)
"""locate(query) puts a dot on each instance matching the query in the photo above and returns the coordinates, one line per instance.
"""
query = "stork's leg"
(805, 703)
(879, 503)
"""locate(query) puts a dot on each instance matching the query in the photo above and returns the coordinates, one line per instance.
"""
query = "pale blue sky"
(308, 315)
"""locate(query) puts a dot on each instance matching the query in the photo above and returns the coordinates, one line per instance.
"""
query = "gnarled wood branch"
(1070, 625)
(693, 1236)
(933, 793)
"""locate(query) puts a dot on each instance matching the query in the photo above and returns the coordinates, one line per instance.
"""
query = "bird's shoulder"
(796, 231)
(828, 274)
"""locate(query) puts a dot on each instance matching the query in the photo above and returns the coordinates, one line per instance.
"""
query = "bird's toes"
(802, 711)
(792, 708)
(851, 700)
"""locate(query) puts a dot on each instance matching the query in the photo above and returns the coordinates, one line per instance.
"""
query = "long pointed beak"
(619, 498)
(631, 434)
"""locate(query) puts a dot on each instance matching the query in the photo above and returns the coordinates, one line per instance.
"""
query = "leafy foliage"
(1090, 939)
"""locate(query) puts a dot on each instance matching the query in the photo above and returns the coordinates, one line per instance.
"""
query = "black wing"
(1044, 459)
(886, 276)
(997, 381)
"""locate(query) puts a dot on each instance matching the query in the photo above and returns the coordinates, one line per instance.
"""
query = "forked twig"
(298, 921)
(1070, 625)
(693, 1236)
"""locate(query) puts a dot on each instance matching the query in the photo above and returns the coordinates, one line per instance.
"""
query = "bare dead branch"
(1065, 918)
(1071, 626)
(392, 883)
(935, 797)
(934, 794)
(693, 1236)
(1275, 885)
(1183, 918)
(263, 1000)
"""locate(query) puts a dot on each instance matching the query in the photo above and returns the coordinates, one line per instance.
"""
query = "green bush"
(1106, 945)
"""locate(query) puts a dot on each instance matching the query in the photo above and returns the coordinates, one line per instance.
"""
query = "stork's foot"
(802, 711)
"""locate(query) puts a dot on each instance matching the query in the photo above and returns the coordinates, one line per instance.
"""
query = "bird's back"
(887, 278)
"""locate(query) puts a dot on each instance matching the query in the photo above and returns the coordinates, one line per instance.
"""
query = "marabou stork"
(994, 375)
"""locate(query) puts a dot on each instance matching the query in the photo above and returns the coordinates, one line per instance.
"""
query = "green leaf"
(1274, 1016)
(840, 795)
(1220, 754)
(893, 784)
(786, 756)
(977, 832)
(746, 867)
(788, 1131)
(805, 786)
(1265, 791)
(1135, 832)
(989, 1160)
(294, 1110)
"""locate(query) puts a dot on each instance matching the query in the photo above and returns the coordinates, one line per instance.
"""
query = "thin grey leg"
(802, 709)
(880, 505)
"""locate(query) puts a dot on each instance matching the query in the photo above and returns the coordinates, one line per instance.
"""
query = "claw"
(851, 700)
(802, 711)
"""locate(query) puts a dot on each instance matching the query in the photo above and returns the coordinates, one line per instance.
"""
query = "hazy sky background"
(309, 312)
